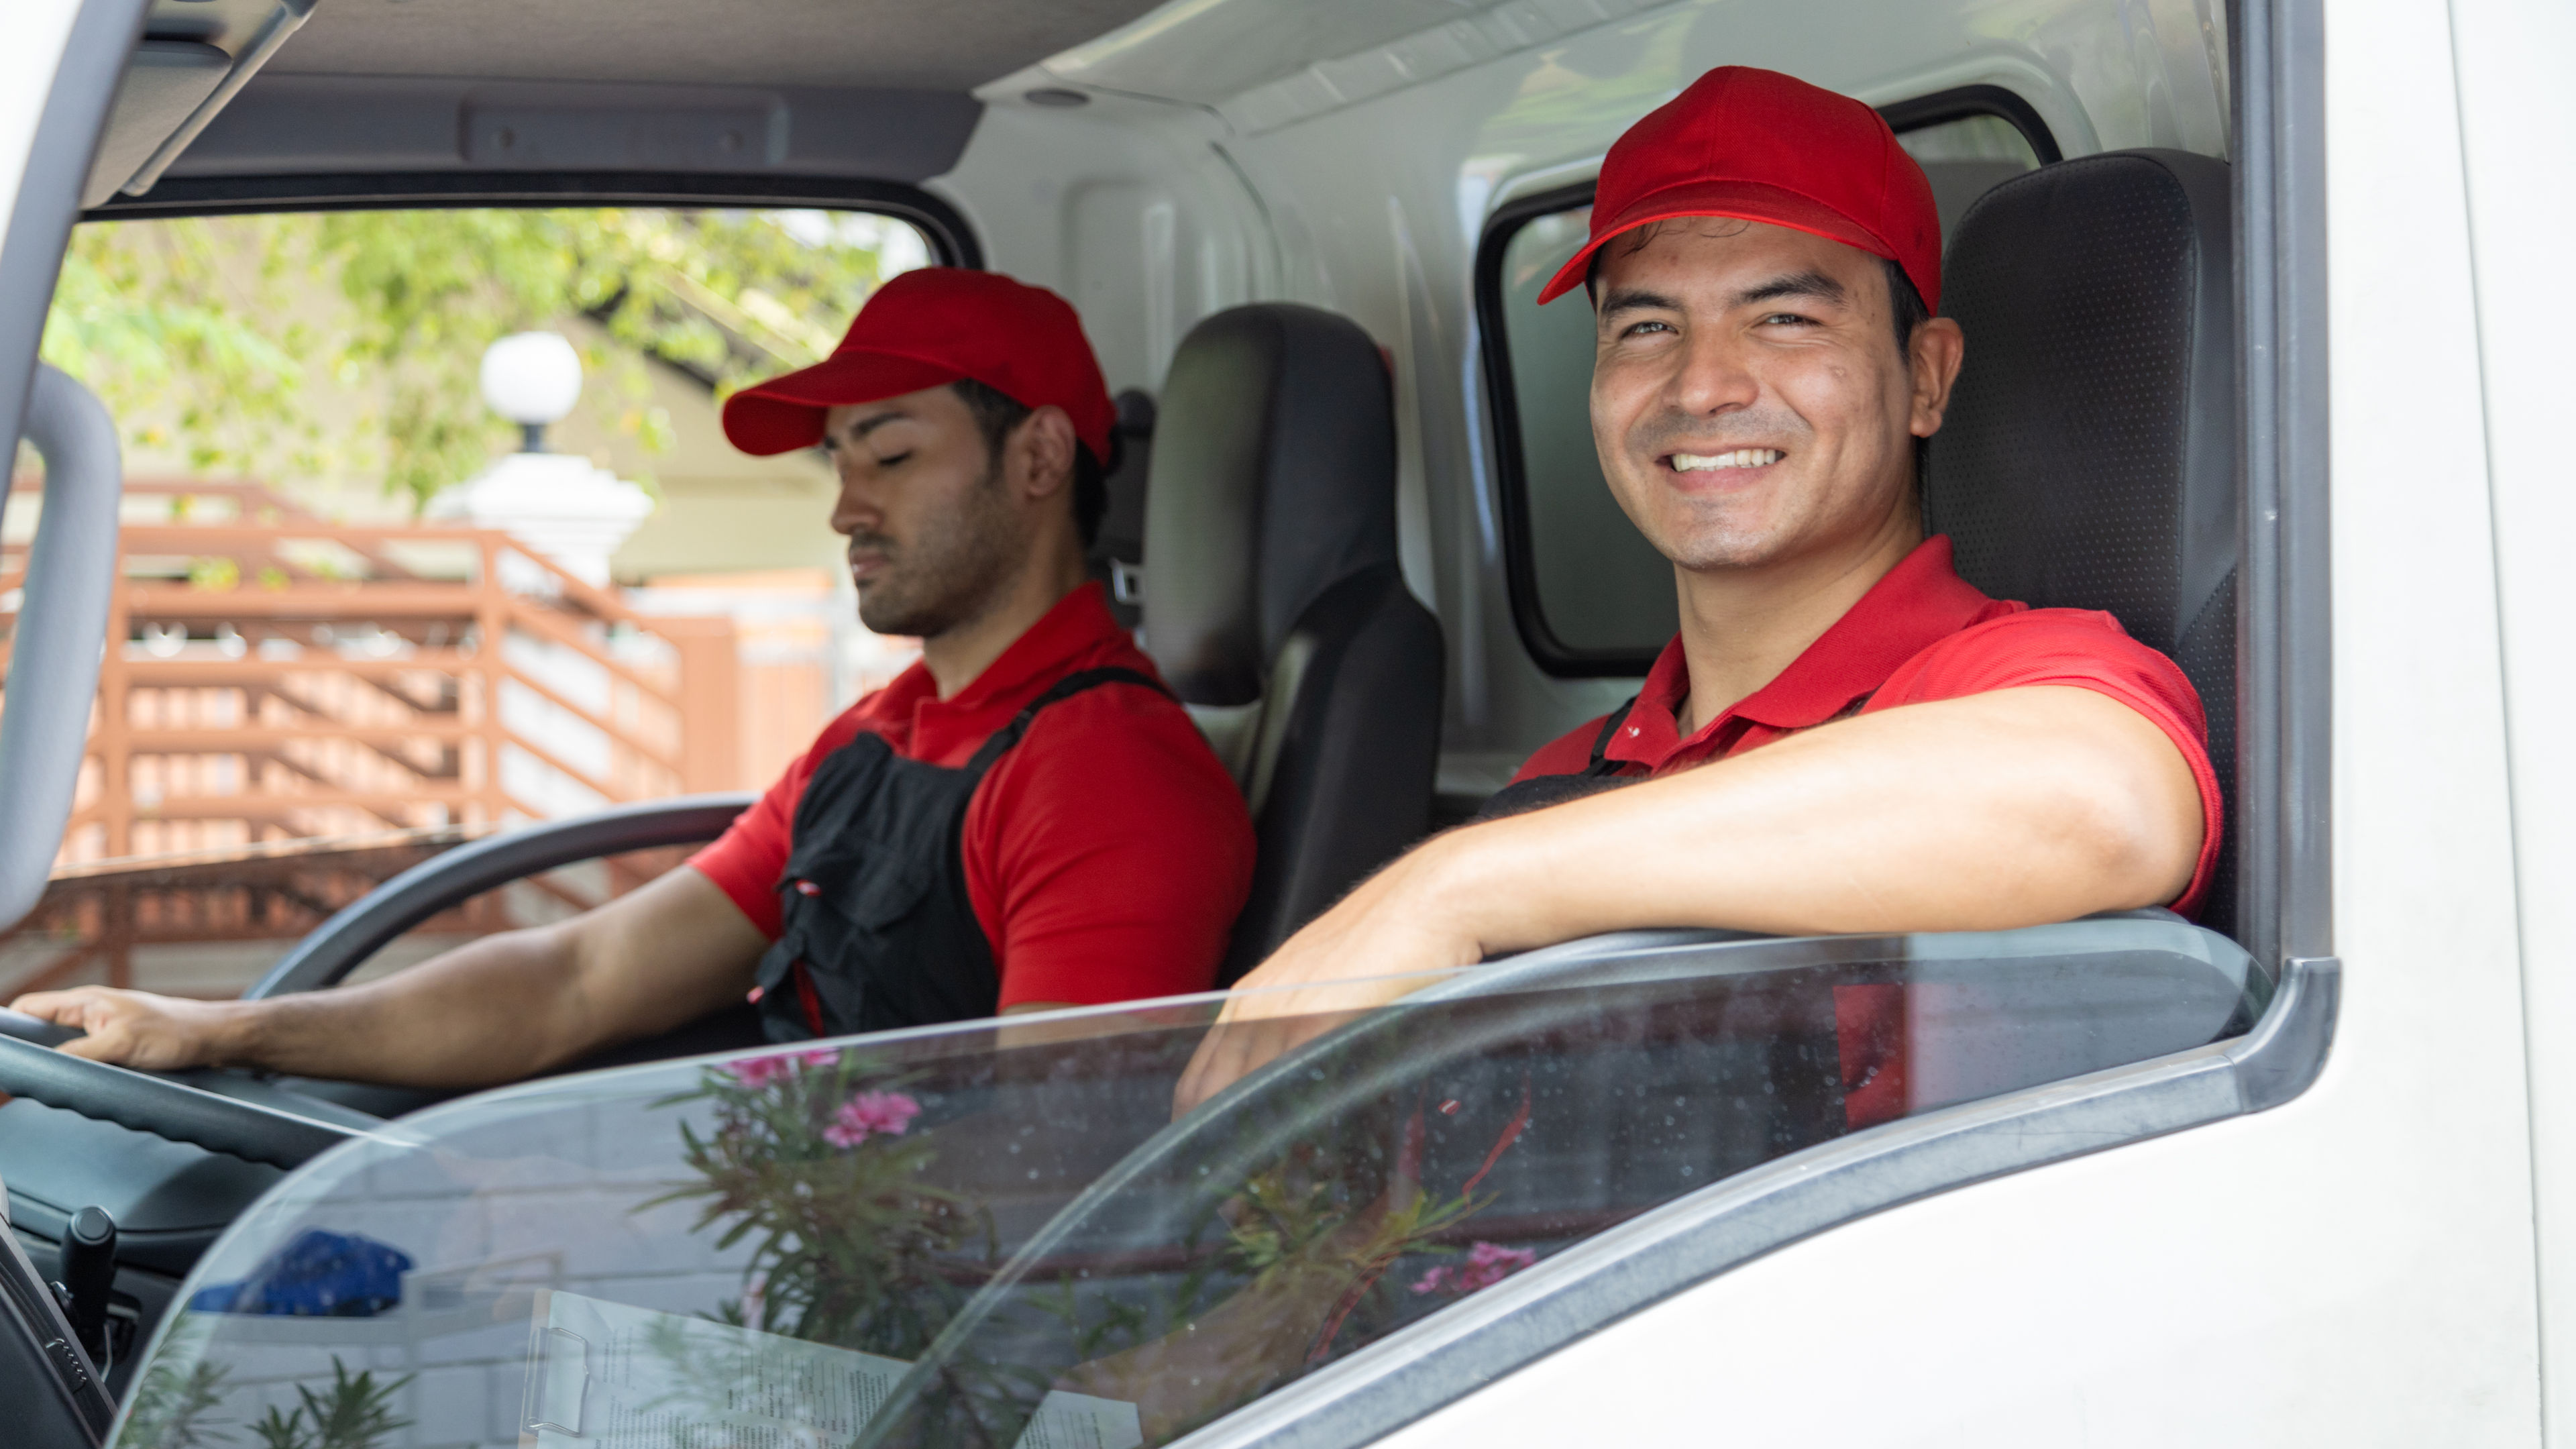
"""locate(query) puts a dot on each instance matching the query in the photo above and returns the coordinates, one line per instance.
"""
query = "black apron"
(877, 930)
(1540, 791)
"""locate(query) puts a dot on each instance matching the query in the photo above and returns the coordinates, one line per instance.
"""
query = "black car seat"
(1116, 557)
(1274, 606)
(2089, 456)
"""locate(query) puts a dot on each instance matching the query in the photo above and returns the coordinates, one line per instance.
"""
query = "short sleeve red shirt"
(1920, 634)
(1106, 854)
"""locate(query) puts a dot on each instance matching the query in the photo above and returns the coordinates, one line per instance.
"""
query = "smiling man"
(1845, 736)
(1024, 819)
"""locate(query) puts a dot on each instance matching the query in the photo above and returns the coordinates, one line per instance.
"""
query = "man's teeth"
(1740, 458)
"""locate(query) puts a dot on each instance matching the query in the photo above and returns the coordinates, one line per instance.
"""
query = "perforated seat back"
(1274, 606)
(2089, 456)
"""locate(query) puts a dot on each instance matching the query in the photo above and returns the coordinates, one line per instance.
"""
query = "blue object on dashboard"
(316, 1275)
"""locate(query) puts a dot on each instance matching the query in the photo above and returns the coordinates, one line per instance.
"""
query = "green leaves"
(851, 1247)
(174, 1401)
(356, 1412)
(347, 343)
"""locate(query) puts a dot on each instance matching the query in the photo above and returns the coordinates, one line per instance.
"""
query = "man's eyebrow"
(1810, 283)
(1632, 299)
(865, 426)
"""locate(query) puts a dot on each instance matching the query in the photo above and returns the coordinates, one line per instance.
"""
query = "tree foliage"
(212, 336)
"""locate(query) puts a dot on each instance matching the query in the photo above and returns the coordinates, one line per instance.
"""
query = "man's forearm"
(1983, 813)
(489, 1011)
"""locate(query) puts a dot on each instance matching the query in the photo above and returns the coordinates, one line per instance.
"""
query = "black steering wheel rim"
(343, 943)
(148, 1102)
(157, 1104)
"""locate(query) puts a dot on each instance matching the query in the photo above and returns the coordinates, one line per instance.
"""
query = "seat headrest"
(2089, 459)
(1273, 479)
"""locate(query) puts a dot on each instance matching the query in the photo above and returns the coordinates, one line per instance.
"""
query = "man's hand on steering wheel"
(134, 1028)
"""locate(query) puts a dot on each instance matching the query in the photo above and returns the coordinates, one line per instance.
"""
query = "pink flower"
(1487, 1264)
(868, 1114)
(758, 1072)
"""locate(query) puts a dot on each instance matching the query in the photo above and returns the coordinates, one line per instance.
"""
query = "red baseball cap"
(1767, 147)
(930, 327)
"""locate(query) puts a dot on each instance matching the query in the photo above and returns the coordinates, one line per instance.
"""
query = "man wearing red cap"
(1025, 818)
(1845, 736)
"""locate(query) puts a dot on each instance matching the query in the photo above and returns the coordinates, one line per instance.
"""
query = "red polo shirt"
(1921, 633)
(1106, 854)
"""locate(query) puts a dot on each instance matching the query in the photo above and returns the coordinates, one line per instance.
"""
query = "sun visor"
(303, 124)
(164, 84)
(194, 58)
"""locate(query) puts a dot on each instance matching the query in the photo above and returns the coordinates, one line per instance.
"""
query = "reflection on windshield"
(939, 1239)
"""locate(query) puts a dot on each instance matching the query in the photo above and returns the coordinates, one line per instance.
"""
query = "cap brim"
(786, 413)
(1748, 200)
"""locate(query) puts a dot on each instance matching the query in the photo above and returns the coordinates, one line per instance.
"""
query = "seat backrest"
(1274, 605)
(1116, 557)
(2089, 457)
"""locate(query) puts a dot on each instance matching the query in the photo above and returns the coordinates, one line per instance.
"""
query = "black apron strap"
(1001, 740)
(1602, 764)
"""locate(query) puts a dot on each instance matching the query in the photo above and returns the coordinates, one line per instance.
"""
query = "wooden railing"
(207, 923)
(271, 675)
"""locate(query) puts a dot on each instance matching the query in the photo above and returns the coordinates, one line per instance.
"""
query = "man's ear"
(1041, 453)
(1938, 348)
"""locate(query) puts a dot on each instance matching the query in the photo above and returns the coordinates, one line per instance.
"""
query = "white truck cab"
(2298, 1173)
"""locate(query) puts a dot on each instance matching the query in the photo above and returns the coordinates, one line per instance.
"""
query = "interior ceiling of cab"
(950, 45)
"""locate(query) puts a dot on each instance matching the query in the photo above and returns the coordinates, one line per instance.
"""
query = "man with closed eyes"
(1023, 819)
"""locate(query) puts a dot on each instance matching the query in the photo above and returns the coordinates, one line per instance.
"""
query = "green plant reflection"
(1290, 1256)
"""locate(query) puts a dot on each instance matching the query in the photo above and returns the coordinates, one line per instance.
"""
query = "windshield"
(981, 1236)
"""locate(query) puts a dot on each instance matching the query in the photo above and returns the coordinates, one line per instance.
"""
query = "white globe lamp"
(557, 504)
(532, 378)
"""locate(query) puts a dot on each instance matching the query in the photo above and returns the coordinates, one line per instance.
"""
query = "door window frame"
(951, 239)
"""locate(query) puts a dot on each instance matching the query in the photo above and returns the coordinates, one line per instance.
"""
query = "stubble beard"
(950, 575)
(1701, 534)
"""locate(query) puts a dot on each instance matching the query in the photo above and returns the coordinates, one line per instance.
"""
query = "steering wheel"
(297, 1128)
(147, 1102)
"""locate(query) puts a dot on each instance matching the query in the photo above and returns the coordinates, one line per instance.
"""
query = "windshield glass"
(1000, 1235)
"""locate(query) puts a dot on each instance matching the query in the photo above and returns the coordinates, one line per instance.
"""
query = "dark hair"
(1906, 304)
(997, 412)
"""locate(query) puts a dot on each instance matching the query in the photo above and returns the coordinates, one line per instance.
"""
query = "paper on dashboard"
(605, 1375)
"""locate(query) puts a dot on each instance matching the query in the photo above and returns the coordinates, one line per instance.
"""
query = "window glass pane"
(1965, 157)
(933, 1238)
(1601, 587)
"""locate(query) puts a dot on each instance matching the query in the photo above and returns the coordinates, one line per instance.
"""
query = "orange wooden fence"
(271, 676)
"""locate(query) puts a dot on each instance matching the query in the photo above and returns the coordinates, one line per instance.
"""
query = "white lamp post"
(532, 378)
(555, 503)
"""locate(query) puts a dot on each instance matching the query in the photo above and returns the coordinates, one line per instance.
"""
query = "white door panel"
(2327, 1273)
(2519, 137)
